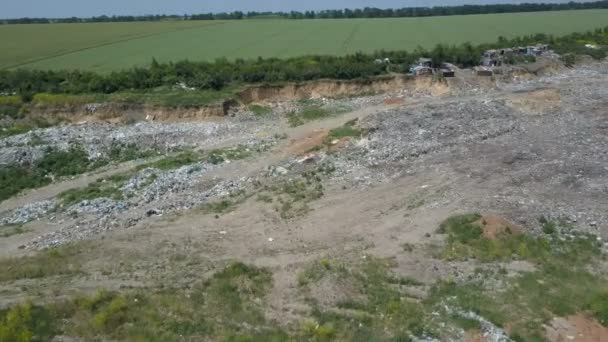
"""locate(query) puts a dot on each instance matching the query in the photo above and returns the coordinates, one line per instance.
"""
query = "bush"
(25, 323)
(55, 163)
(10, 106)
(15, 178)
(64, 163)
(259, 110)
(308, 112)
(106, 188)
(56, 261)
(174, 162)
(598, 306)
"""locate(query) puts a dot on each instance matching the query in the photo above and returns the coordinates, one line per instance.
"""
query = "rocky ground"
(281, 197)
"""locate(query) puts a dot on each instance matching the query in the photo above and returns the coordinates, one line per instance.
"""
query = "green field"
(113, 46)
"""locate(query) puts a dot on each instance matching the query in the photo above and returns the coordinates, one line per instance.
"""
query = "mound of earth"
(576, 328)
(494, 226)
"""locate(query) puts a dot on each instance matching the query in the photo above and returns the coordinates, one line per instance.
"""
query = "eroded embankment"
(132, 112)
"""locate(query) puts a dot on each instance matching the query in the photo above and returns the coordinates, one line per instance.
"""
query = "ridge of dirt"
(578, 328)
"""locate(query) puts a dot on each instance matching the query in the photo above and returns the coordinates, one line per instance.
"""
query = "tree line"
(222, 72)
(367, 12)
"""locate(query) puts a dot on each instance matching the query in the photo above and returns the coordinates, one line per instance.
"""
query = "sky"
(88, 8)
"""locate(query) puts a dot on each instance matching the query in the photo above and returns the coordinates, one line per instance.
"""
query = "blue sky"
(87, 8)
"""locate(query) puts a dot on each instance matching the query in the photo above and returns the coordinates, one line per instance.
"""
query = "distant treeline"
(332, 14)
(222, 73)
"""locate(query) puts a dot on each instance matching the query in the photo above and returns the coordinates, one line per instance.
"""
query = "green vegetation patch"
(10, 230)
(378, 308)
(315, 272)
(21, 126)
(292, 196)
(123, 152)
(528, 301)
(259, 110)
(465, 240)
(465, 297)
(225, 205)
(16, 178)
(173, 162)
(227, 306)
(27, 322)
(107, 187)
(308, 111)
(561, 285)
(220, 156)
(347, 130)
(10, 107)
(58, 163)
(217, 156)
(62, 260)
(164, 96)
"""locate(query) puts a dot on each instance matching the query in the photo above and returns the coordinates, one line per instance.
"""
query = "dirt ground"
(512, 152)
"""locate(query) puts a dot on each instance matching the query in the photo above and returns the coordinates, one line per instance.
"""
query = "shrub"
(306, 114)
(107, 187)
(598, 306)
(259, 110)
(64, 163)
(228, 154)
(174, 162)
(15, 178)
(26, 322)
(56, 261)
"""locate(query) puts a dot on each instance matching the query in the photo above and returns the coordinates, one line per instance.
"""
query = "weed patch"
(62, 260)
(65, 163)
(309, 111)
(347, 130)
(57, 163)
(184, 158)
(220, 156)
(597, 304)
(107, 187)
(121, 152)
(173, 162)
(27, 322)
(382, 310)
(7, 231)
(293, 196)
(469, 297)
(465, 240)
(15, 178)
(314, 273)
(21, 126)
(561, 285)
(260, 111)
(225, 307)
(8, 104)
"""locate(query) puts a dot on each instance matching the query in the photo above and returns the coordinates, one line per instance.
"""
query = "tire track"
(351, 36)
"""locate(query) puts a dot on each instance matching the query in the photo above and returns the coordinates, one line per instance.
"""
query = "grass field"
(113, 46)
